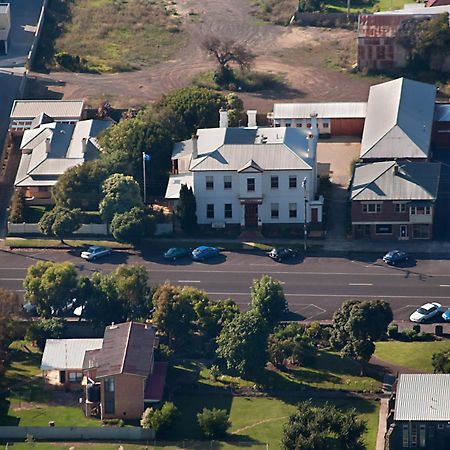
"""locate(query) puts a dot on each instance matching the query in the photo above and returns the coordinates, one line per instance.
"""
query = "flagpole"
(145, 178)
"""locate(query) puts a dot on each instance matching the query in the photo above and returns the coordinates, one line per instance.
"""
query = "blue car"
(446, 315)
(204, 252)
(395, 257)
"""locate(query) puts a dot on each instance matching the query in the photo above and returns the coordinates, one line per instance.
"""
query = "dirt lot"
(307, 58)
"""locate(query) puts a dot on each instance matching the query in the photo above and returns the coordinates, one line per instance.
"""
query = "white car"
(95, 252)
(425, 312)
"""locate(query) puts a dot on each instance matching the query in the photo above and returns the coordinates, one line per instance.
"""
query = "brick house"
(122, 378)
(394, 200)
(419, 413)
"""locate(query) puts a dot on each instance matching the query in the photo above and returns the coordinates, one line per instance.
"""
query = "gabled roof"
(58, 109)
(399, 120)
(250, 166)
(230, 149)
(52, 148)
(423, 397)
(127, 348)
(328, 110)
(41, 119)
(389, 180)
(175, 183)
(63, 354)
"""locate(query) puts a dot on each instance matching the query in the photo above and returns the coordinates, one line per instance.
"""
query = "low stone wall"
(72, 434)
(328, 20)
(33, 228)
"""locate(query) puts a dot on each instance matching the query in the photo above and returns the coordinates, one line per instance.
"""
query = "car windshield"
(93, 249)
(426, 311)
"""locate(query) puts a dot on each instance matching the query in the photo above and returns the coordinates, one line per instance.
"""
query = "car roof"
(428, 306)
(94, 247)
(202, 247)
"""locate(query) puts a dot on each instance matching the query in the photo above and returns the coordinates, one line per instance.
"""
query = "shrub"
(17, 209)
(44, 329)
(441, 362)
(160, 420)
(215, 372)
(411, 335)
(213, 422)
(392, 331)
(113, 422)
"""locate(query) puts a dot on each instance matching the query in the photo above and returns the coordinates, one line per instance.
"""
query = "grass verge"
(415, 355)
(16, 242)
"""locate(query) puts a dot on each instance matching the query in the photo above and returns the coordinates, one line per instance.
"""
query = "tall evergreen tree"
(186, 210)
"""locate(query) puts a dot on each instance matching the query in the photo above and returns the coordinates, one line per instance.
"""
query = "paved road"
(315, 287)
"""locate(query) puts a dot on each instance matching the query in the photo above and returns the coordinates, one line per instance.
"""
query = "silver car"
(95, 252)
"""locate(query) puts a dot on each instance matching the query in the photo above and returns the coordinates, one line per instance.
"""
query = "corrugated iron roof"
(63, 354)
(423, 397)
(328, 110)
(399, 120)
(417, 10)
(442, 113)
(376, 26)
(175, 183)
(58, 109)
(389, 180)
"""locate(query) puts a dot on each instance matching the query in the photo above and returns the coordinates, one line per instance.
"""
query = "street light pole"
(305, 231)
(145, 177)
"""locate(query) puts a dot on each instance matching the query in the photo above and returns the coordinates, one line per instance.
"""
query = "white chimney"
(47, 145)
(311, 145)
(314, 127)
(194, 146)
(223, 118)
(84, 145)
(251, 114)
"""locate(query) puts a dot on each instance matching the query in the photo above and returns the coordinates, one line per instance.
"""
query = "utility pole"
(305, 216)
(145, 177)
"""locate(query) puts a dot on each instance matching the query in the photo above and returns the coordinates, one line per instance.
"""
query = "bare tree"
(228, 51)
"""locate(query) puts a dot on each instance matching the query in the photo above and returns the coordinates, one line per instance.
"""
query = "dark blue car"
(395, 257)
(204, 252)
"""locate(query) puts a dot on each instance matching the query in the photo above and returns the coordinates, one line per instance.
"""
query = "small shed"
(5, 27)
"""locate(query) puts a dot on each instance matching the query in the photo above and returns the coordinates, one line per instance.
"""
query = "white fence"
(71, 434)
(94, 229)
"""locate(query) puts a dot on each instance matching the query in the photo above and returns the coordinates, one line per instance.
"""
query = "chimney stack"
(83, 145)
(223, 118)
(251, 114)
(311, 144)
(314, 127)
(47, 145)
(194, 146)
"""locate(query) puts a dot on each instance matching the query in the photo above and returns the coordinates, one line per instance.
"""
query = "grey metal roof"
(416, 10)
(174, 185)
(232, 148)
(66, 150)
(4, 8)
(58, 109)
(442, 113)
(423, 397)
(63, 354)
(410, 181)
(329, 110)
(399, 120)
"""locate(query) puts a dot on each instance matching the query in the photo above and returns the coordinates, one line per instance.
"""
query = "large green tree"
(81, 186)
(242, 344)
(325, 427)
(441, 361)
(50, 286)
(61, 222)
(268, 299)
(131, 226)
(186, 210)
(213, 422)
(120, 194)
(10, 311)
(357, 325)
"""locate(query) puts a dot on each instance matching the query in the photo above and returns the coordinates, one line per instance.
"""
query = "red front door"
(314, 215)
(251, 215)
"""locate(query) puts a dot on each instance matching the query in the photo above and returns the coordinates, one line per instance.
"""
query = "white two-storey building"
(249, 177)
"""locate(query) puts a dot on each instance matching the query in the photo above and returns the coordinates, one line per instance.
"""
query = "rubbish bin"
(416, 328)
(439, 330)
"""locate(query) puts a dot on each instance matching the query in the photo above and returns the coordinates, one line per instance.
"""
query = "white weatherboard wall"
(283, 195)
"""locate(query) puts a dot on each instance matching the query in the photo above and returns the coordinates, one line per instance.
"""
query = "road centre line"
(188, 281)
(341, 295)
(360, 284)
(444, 285)
(11, 279)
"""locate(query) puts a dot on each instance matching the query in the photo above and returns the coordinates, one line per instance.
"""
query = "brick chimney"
(251, 114)
(223, 118)
(194, 146)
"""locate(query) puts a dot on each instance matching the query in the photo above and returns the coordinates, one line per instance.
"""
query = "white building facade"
(249, 177)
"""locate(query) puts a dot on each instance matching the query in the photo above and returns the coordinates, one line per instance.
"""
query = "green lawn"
(260, 420)
(17, 242)
(416, 355)
(329, 371)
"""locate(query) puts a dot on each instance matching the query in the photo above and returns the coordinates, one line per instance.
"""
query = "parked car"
(395, 257)
(95, 252)
(282, 254)
(446, 315)
(204, 252)
(175, 253)
(425, 312)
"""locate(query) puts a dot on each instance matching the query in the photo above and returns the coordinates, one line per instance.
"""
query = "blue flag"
(146, 156)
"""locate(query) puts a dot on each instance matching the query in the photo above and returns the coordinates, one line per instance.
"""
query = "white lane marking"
(188, 281)
(13, 268)
(360, 284)
(444, 285)
(11, 279)
(350, 296)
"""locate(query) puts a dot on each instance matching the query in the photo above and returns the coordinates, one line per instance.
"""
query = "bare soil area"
(308, 59)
